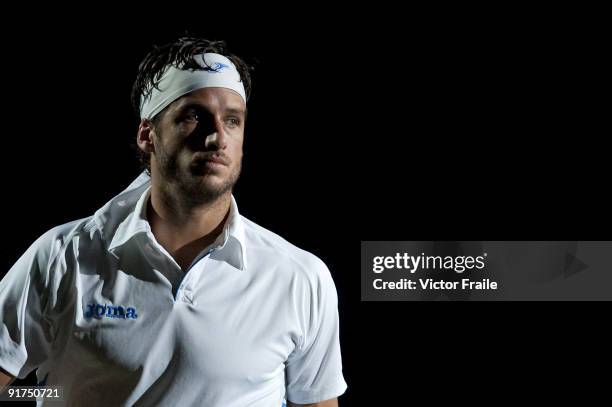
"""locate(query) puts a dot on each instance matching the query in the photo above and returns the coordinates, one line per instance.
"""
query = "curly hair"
(180, 55)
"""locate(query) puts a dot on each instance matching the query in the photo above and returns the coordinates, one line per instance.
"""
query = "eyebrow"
(197, 106)
(238, 112)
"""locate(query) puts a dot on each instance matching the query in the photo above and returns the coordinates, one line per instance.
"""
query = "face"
(196, 146)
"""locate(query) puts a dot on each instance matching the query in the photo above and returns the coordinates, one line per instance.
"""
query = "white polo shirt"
(100, 308)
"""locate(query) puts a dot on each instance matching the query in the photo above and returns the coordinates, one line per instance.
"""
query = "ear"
(144, 138)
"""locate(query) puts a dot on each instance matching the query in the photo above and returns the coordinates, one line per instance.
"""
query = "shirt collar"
(134, 224)
(229, 246)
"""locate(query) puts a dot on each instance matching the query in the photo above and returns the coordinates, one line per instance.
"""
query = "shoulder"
(67, 232)
(45, 261)
(55, 240)
(300, 263)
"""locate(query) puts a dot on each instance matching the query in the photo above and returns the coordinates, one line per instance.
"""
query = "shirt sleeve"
(26, 331)
(314, 368)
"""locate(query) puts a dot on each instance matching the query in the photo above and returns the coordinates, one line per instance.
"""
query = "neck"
(184, 228)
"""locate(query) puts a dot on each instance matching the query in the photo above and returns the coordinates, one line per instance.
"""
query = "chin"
(211, 186)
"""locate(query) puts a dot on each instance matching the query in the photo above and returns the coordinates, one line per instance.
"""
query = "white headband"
(217, 72)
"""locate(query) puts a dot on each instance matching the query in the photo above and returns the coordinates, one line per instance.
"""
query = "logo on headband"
(216, 67)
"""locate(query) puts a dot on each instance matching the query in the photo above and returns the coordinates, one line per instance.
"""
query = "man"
(166, 295)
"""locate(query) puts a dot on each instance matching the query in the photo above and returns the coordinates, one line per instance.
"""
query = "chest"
(215, 322)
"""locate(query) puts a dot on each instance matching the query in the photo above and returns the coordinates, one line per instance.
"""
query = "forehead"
(212, 99)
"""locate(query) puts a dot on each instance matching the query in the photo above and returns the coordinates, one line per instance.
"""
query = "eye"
(191, 117)
(233, 121)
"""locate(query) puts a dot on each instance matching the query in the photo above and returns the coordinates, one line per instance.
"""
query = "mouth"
(214, 160)
(205, 163)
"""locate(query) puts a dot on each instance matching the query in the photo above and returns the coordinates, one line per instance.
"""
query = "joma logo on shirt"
(110, 311)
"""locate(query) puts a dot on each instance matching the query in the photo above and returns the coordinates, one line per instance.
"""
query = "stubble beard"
(189, 184)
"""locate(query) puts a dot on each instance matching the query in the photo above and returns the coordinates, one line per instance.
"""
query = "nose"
(217, 139)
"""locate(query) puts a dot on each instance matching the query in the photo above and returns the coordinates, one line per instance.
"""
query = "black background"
(370, 124)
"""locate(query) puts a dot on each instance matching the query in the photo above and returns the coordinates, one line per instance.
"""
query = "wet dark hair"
(178, 54)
